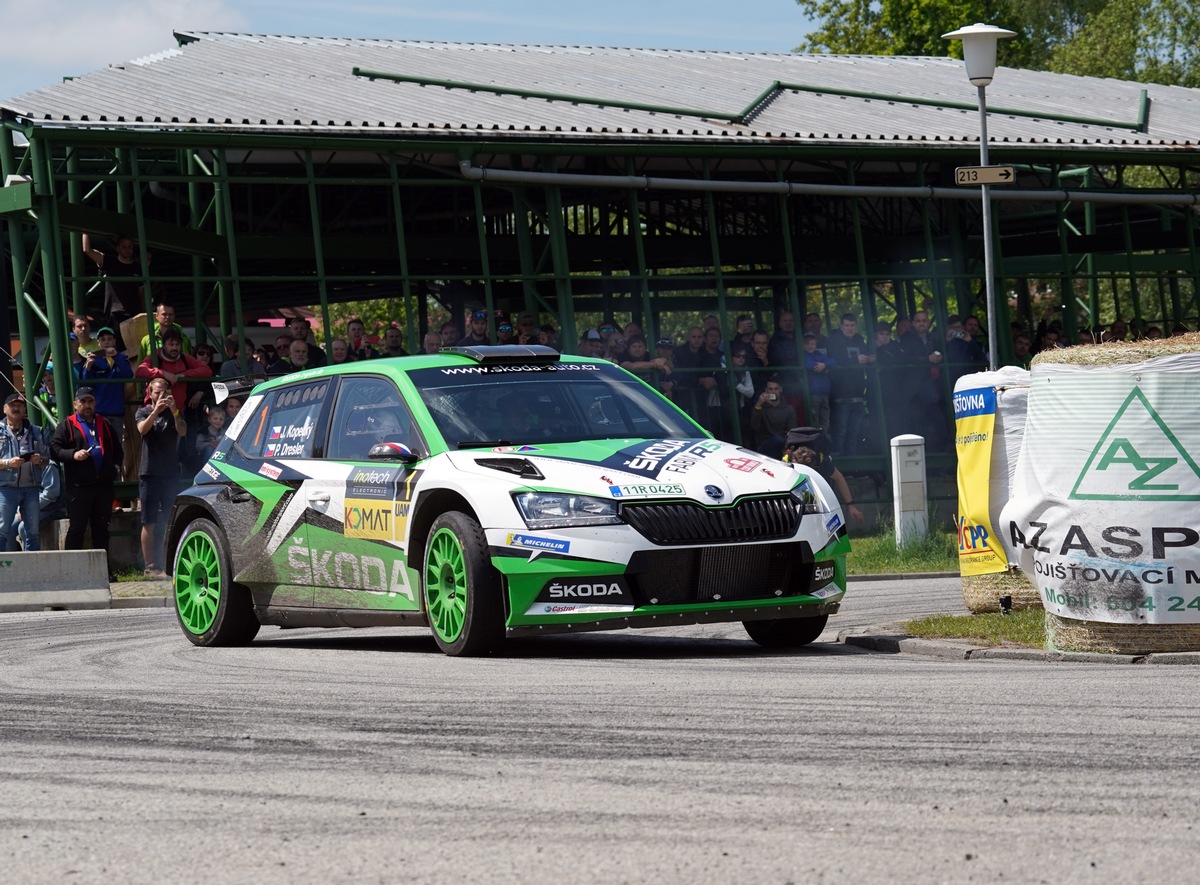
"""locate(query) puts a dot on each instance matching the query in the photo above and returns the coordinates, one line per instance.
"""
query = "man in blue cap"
(110, 368)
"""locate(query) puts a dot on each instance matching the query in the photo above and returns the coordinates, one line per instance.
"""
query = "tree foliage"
(1154, 41)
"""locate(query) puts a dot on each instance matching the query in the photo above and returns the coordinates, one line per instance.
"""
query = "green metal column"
(1195, 262)
(1089, 228)
(143, 245)
(76, 256)
(729, 395)
(414, 333)
(225, 227)
(19, 270)
(562, 262)
(1134, 291)
(485, 262)
(56, 314)
(314, 211)
(874, 391)
(639, 251)
(793, 286)
(227, 323)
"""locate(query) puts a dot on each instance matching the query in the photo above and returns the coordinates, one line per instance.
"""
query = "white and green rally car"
(493, 491)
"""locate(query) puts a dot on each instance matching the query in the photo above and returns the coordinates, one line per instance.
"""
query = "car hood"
(705, 470)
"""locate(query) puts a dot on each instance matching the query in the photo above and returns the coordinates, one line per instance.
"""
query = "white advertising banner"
(1104, 514)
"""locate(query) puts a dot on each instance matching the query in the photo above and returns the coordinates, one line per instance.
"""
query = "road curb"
(853, 579)
(886, 639)
(140, 602)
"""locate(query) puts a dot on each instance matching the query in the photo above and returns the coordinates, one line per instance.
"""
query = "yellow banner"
(979, 551)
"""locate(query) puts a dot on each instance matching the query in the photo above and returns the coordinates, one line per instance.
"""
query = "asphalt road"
(128, 755)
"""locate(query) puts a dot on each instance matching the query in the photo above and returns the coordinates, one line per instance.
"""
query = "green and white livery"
(495, 491)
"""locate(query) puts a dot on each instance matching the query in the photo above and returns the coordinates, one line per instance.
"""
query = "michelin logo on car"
(534, 542)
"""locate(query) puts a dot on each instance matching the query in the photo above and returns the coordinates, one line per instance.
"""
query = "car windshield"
(563, 402)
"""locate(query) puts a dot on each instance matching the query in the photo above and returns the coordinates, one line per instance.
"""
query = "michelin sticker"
(537, 544)
(833, 523)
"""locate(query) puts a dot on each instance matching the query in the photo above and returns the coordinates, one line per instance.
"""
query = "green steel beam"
(17, 197)
(561, 260)
(160, 235)
(484, 260)
(226, 229)
(650, 325)
(741, 116)
(729, 395)
(493, 89)
(56, 317)
(314, 214)
(413, 333)
(550, 144)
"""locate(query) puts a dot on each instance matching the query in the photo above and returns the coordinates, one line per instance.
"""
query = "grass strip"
(878, 554)
(1025, 627)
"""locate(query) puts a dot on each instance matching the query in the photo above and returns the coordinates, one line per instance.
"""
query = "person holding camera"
(90, 454)
(771, 419)
(23, 454)
(161, 425)
(107, 364)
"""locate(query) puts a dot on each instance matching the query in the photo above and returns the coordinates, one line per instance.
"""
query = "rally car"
(490, 492)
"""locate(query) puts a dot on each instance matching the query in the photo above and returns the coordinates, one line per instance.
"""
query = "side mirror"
(392, 451)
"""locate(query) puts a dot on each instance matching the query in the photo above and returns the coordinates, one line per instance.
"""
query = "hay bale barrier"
(982, 593)
(1134, 388)
(1068, 634)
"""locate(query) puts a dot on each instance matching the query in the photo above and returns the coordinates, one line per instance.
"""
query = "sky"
(46, 40)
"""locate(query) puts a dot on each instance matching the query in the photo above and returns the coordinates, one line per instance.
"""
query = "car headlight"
(811, 498)
(551, 510)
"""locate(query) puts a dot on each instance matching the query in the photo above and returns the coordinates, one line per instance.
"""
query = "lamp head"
(979, 50)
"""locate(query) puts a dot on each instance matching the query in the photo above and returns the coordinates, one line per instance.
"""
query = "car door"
(274, 454)
(359, 520)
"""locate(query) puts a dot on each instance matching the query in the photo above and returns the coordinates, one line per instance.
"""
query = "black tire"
(211, 608)
(786, 632)
(461, 588)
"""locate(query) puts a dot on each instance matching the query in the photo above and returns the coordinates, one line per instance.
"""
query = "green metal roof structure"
(271, 171)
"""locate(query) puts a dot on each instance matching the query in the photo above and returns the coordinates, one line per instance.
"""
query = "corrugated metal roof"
(288, 85)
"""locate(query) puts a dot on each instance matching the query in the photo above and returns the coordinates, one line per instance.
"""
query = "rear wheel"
(462, 588)
(211, 608)
(786, 632)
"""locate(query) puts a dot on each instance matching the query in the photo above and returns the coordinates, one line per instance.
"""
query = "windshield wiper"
(483, 443)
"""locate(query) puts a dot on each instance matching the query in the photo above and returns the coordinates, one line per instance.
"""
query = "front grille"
(757, 571)
(751, 519)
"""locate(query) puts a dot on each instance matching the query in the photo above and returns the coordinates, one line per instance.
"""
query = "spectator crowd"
(154, 418)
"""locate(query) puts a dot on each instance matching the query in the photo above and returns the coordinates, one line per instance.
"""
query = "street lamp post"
(979, 53)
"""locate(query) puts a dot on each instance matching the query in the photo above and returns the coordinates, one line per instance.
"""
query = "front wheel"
(462, 588)
(211, 608)
(786, 632)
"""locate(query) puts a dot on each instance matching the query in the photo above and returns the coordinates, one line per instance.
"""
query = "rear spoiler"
(239, 385)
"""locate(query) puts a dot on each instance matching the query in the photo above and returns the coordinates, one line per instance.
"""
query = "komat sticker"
(377, 503)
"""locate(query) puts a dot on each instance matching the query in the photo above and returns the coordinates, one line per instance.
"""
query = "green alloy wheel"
(462, 589)
(211, 608)
(786, 632)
